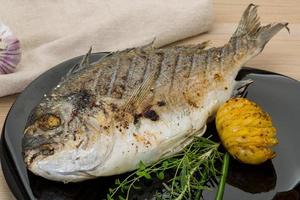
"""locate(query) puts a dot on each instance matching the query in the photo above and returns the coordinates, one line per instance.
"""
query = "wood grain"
(281, 55)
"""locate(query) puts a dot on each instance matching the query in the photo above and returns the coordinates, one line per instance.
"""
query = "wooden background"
(281, 55)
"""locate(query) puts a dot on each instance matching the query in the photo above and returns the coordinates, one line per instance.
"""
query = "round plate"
(276, 179)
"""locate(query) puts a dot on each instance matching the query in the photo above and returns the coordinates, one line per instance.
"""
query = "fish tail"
(251, 30)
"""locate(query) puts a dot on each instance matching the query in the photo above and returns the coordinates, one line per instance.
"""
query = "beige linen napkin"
(53, 31)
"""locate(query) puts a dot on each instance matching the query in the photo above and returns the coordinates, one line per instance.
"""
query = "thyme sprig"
(191, 170)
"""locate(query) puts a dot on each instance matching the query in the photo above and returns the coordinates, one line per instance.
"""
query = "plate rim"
(3, 144)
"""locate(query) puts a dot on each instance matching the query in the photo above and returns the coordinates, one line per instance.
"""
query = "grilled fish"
(139, 104)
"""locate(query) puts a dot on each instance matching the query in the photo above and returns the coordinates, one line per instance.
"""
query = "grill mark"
(216, 63)
(94, 85)
(151, 73)
(174, 67)
(121, 80)
(128, 70)
(193, 65)
(200, 63)
(191, 69)
(206, 63)
(113, 77)
(185, 66)
(222, 57)
(218, 60)
(239, 44)
(105, 78)
(137, 74)
(213, 62)
(179, 65)
(144, 70)
(233, 45)
(158, 69)
(129, 75)
(160, 73)
(141, 76)
(167, 64)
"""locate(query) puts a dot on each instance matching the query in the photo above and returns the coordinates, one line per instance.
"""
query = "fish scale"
(139, 104)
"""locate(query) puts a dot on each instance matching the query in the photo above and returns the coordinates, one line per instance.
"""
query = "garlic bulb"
(10, 51)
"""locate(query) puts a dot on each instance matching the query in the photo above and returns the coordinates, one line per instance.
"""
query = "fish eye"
(49, 122)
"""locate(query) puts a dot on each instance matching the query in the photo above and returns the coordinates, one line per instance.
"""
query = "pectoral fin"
(176, 145)
(240, 89)
(139, 94)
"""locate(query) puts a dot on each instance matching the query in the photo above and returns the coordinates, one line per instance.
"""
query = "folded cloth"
(53, 31)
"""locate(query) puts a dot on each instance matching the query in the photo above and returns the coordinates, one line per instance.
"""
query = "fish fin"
(267, 32)
(85, 62)
(148, 46)
(240, 89)
(200, 46)
(151, 44)
(250, 26)
(139, 94)
(249, 23)
(181, 143)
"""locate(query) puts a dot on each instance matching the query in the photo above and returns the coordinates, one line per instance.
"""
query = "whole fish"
(139, 104)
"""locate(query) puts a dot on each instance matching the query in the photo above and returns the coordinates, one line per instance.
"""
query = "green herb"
(223, 178)
(192, 169)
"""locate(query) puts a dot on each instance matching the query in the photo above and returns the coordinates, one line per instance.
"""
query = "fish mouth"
(55, 175)
(33, 141)
(30, 157)
(36, 154)
(35, 146)
(47, 167)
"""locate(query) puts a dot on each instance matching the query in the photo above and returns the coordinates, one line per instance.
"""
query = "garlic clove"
(10, 50)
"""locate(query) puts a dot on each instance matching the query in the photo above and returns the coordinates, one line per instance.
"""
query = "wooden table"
(281, 55)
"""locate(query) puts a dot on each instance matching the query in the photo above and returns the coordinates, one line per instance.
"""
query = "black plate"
(277, 94)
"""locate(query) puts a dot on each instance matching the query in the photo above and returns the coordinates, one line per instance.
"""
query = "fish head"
(60, 143)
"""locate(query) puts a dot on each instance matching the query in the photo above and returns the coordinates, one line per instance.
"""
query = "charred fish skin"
(140, 104)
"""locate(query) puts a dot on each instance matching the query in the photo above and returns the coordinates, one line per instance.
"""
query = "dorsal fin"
(85, 62)
(200, 46)
(149, 45)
